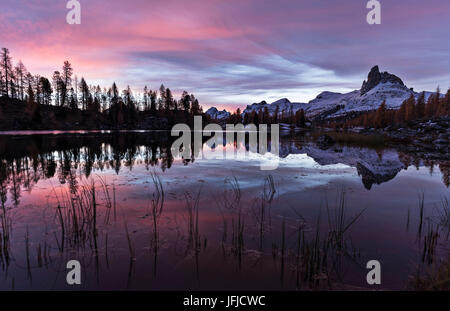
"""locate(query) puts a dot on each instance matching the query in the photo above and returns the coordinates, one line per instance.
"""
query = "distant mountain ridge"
(379, 87)
(214, 113)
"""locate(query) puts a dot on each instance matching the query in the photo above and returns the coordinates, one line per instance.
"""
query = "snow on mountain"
(284, 105)
(337, 104)
(393, 93)
(216, 114)
(379, 87)
(371, 166)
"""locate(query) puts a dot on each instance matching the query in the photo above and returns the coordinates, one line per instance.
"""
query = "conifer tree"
(300, 119)
(5, 65)
(420, 106)
(410, 108)
(380, 116)
(66, 76)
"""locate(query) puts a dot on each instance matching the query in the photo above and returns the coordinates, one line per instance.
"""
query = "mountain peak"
(376, 77)
(281, 101)
(214, 113)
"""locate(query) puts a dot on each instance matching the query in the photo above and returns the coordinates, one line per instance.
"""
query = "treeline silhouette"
(26, 160)
(410, 110)
(263, 116)
(36, 157)
(110, 105)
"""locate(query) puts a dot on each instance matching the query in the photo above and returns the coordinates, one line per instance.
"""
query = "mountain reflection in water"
(139, 218)
(24, 160)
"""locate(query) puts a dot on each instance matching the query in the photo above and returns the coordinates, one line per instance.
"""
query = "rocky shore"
(429, 139)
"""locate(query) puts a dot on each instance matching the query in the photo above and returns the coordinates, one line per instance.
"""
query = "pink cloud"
(189, 43)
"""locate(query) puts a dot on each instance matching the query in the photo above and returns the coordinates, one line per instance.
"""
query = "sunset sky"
(233, 53)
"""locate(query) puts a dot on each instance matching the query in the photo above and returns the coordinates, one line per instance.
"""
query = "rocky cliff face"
(376, 77)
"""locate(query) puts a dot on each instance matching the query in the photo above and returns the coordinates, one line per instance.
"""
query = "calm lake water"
(138, 218)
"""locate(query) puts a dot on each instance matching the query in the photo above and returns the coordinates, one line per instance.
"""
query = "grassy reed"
(314, 252)
(77, 215)
(443, 216)
(5, 234)
(157, 207)
(437, 278)
(316, 255)
(433, 274)
(421, 214)
(430, 240)
(193, 230)
(194, 240)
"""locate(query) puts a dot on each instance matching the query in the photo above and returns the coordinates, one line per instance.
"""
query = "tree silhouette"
(21, 72)
(153, 97)
(420, 106)
(380, 116)
(84, 91)
(66, 76)
(5, 65)
(300, 119)
(46, 90)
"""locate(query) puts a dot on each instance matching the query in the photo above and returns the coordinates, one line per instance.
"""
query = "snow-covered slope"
(339, 104)
(379, 87)
(329, 105)
(371, 166)
(284, 105)
(216, 114)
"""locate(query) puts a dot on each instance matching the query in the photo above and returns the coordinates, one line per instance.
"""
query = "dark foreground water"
(138, 218)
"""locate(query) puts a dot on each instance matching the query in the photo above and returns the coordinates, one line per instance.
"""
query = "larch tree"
(21, 72)
(445, 104)
(46, 90)
(169, 105)
(153, 98)
(420, 106)
(433, 104)
(186, 101)
(275, 115)
(410, 108)
(195, 106)
(266, 115)
(5, 65)
(145, 98)
(162, 96)
(300, 118)
(37, 88)
(114, 93)
(75, 95)
(57, 85)
(66, 76)
(380, 116)
(84, 90)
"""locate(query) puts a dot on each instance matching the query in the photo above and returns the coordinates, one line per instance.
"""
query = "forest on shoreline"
(65, 102)
(33, 102)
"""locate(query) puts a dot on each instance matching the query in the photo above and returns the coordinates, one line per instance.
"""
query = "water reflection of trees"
(444, 166)
(26, 160)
